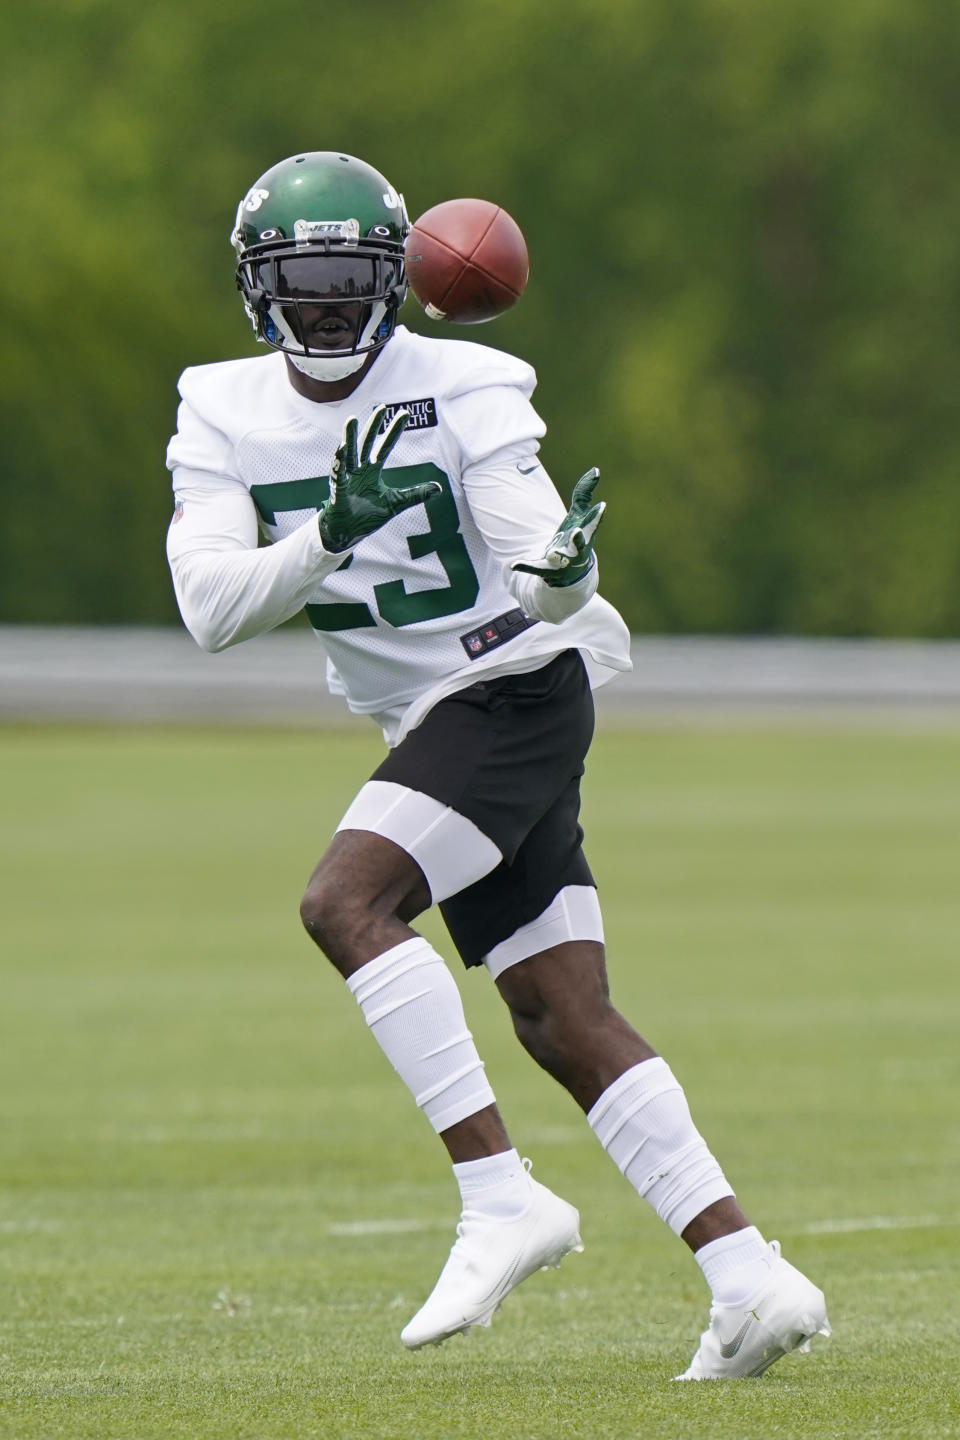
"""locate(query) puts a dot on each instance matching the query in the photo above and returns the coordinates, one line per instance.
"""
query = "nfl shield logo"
(475, 644)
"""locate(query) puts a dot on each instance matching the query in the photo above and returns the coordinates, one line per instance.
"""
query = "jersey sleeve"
(198, 445)
(517, 509)
(491, 418)
(227, 589)
(512, 499)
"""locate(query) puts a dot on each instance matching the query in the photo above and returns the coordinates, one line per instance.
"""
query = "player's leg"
(560, 1005)
(397, 849)
(559, 1002)
(551, 971)
(357, 908)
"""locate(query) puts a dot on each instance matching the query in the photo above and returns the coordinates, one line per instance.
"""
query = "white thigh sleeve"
(573, 914)
(450, 850)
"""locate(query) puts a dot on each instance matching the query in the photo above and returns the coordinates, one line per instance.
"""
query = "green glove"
(359, 500)
(569, 555)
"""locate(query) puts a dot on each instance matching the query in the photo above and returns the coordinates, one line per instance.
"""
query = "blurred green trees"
(743, 220)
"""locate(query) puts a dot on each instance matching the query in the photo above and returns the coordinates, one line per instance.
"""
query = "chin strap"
(321, 367)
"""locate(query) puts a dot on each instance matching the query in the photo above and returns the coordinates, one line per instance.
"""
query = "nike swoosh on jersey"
(530, 468)
(732, 1347)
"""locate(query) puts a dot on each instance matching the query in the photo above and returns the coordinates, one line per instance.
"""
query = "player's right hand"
(359, 501)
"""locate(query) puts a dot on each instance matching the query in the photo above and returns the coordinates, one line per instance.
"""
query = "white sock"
(495, 1186)
(412, 1004)
(735, 1266)
(643, 1122)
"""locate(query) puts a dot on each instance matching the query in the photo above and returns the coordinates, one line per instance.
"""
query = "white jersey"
(425, 605)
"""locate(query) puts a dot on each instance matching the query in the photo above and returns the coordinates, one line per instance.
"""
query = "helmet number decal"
(255, 199)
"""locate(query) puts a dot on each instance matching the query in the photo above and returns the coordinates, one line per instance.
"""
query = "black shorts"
(508, 755)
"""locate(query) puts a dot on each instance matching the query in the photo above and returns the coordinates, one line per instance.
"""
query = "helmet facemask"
(327, 300)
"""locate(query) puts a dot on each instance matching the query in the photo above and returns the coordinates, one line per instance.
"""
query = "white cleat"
(490, 1258)
(745, 1340)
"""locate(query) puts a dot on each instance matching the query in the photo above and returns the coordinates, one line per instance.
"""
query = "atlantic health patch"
(423, 413)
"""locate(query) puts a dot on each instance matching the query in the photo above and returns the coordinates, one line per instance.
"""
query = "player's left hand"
(569, 554)
(360, 502)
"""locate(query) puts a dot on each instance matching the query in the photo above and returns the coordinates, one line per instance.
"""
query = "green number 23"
(397, 605)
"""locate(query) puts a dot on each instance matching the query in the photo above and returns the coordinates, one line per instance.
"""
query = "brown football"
(466, 261)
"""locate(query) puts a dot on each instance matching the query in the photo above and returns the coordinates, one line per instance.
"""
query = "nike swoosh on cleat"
(732, 1347)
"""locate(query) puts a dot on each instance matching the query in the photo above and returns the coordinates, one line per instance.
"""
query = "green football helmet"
(319, 240)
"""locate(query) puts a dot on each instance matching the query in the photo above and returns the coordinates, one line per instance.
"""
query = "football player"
(454, 596)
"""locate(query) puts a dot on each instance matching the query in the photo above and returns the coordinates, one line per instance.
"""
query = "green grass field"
(218, 1206)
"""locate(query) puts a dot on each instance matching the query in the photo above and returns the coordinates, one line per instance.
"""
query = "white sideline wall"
(144, 675)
